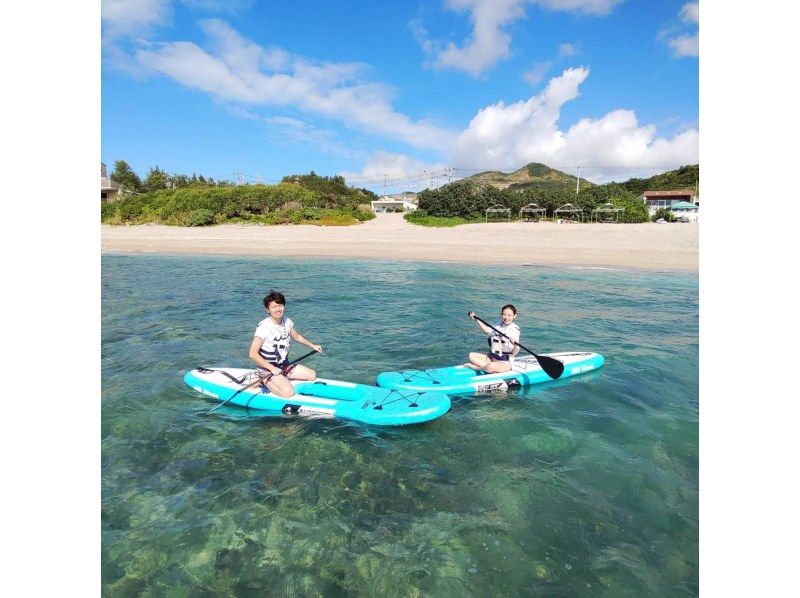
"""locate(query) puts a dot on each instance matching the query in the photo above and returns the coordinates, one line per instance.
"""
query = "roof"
(683, 205)
(106, 184)
(689, 192)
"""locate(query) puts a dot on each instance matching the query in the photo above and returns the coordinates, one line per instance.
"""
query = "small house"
(109, 190)
(657, 200)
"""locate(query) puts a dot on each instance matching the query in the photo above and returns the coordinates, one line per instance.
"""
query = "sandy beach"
(641, 246)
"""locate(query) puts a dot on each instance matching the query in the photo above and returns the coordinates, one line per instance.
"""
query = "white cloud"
(138, 17)
(690, 12)
(592, 7)
(286, 129)
(567, 50)
(686, 44)
(421, 36)
(225, 6)
(237, 70)
(399, 172)
(115, 58)
(536, 75)
(130, 17)
(507, 136)
(489, 43)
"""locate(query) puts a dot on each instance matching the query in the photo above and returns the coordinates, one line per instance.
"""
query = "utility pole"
(385, 184)
(578, 183)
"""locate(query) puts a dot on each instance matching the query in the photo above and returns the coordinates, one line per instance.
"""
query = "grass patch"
(437, 221)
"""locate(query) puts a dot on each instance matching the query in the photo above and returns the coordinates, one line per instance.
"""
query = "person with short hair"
(270, 348)
(501, 349)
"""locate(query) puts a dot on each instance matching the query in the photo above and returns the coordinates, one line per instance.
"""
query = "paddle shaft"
(252, 384)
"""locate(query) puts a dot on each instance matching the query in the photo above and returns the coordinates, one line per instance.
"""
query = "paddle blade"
(552, 367)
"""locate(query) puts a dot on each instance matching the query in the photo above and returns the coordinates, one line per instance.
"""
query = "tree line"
(157, 179)
(465, 199)
(197, 201)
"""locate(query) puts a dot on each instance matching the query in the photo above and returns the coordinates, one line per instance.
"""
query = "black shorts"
(284, 366)
(496, 357)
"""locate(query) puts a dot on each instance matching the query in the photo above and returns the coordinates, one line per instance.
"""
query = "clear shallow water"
(585, 486)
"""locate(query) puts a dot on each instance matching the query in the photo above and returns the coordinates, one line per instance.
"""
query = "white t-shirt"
(275, 338)
(499, 343)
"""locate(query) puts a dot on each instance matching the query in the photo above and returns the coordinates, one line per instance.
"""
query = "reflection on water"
(581, 486)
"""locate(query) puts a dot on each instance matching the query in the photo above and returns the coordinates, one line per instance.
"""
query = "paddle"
(258, 381)
(552, 367)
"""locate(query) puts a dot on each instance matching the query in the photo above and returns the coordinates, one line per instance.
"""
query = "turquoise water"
(587, 486)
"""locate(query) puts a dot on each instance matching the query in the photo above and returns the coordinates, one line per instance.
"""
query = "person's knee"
(286, 392)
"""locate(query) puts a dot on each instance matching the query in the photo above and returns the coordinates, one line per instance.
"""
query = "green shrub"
(268, 204)
(364, 215)
(665, 214)
(200, 218)
(108, 211)
(635, 209)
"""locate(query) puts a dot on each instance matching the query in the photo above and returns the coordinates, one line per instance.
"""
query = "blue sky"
(403, 92)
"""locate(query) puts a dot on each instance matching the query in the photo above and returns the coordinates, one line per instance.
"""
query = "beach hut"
(498, 209)
(109, 190)
(685, 211)
(532, 212)
(568, 213)
(608, 212)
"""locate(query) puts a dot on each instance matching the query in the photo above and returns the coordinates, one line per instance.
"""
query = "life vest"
(500, 345)
(276, 339)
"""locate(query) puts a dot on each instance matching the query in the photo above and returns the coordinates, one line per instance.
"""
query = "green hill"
(685, 177)
(530, 176)
(541, 176)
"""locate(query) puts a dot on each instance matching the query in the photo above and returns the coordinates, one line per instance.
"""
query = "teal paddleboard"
(322, 398)
(461, 379)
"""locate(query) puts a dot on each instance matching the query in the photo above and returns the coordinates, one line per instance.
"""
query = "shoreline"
(645, 246)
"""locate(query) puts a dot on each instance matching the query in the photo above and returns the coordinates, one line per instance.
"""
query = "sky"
(402, 95)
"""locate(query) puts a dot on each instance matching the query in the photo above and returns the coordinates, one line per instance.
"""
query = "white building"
(402, 202)
(656, 200)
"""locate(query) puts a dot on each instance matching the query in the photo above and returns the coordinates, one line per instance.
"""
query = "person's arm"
(302, 340)
(260, 361)
(482, 326)
(516, 342)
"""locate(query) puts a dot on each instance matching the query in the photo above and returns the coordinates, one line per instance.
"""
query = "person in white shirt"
(270, 348)
(501, 350)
